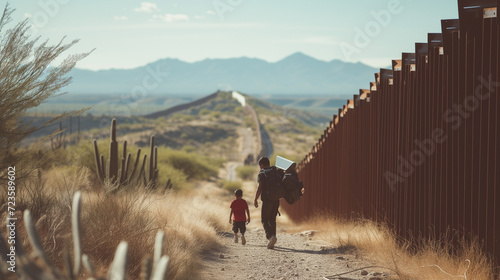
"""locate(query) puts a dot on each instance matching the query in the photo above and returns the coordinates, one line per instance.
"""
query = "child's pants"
(239, 226)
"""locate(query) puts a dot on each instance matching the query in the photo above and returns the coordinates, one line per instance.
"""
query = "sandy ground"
(295, 256)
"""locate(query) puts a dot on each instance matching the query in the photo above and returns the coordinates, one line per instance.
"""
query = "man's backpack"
(272, 187)
(292, 186)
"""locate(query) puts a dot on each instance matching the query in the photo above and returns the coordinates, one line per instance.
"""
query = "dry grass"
(134, 216)
(428, 260)
(247, 172)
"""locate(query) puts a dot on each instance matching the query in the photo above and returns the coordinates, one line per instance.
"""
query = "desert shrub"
(204, 111)
(49, 213)
(227, 107)
(188, 148)
(177, 178)
(109, 219)
(182, 117)
(298, 125)
(225, 95)
(34, 194)
(230, 186)
(238, 109)
(82, 154)
(192, 165)
(215, 114)
(133, 127)
(246, 172)
(27, 82)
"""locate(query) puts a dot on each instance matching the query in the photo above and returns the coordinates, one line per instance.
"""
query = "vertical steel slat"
(432, 100)
(452, 134)
(397, 116)
(483, 113)
(407, 61)
(494, 140)
(438, 167)
(402, 119)
(372, 151)
(459, 144)
(440, 159)
(411, 186)
(417, 174)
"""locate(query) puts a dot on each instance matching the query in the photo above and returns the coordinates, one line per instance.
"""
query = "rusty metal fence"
(420, 149)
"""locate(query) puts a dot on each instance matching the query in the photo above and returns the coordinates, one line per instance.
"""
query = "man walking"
(267, 181)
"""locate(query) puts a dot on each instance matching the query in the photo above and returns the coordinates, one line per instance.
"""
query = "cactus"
(88, 265)
(75, 228)
(59, 140)
(135, 165)
(35, 240)
(113, 153)
(118, 267)
(117, 170)
(169, 185)
(98, 162)
(158, 251)
(30, 268)
(151, 159)
(68, 268)
(161, 269)
(146, 269)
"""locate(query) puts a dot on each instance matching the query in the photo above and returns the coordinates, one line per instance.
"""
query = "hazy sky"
(131, 33)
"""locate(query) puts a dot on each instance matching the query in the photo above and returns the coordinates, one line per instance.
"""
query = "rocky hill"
(212, 127)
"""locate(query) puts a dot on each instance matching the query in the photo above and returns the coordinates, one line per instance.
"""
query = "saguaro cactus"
(113, 153)
(153, 162)
(117, 170)
(59, 140)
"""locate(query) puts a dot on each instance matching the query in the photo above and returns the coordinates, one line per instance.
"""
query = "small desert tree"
(26, 80)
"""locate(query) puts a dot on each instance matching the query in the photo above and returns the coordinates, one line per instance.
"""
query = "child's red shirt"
(239, 206)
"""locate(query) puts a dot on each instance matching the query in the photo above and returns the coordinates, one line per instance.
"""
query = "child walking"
(238, 207)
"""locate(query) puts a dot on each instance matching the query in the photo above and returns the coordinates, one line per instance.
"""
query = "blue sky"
(129, 33)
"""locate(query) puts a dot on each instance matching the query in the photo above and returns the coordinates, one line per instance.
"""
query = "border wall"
(420, 148)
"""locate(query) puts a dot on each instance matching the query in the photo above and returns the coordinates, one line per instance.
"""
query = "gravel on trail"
(295, 256)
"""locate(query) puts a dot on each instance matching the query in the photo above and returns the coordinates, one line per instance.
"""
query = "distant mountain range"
(297, 74)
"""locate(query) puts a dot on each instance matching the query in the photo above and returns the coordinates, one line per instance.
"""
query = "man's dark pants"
(268, 215)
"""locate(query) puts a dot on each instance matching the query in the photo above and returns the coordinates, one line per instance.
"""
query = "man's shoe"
(236, 239)
(272, 241)
(243, 240)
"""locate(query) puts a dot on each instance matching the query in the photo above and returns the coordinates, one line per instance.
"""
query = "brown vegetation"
(431, 259)
(190, 225)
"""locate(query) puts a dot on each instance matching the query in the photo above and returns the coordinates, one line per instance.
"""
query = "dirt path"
(295, 256)
(246, 146)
